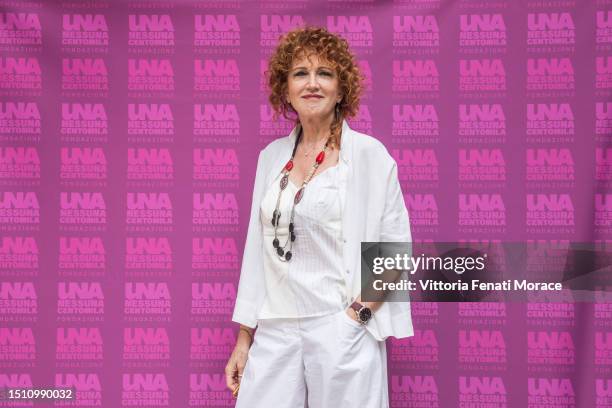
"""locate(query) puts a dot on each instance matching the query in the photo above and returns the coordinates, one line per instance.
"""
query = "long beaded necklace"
(283, 253)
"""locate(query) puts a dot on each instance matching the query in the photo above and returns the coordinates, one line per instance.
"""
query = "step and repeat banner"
(129, 134)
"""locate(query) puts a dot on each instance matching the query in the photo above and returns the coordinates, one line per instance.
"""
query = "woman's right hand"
(237, 361)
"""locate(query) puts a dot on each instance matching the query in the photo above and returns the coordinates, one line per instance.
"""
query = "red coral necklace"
(284, 253)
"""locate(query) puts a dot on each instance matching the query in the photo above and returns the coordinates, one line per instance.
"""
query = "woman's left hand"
(352, 314)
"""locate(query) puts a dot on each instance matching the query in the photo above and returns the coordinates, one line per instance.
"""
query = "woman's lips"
(312, 97)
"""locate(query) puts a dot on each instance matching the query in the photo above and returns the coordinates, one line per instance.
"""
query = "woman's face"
(312, 88)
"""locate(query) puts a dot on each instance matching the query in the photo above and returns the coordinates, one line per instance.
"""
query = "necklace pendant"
(289, 165)
(284, 181)
(288, 255)
(275, 216)
(298, 196)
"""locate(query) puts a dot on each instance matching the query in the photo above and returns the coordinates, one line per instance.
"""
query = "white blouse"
(311, 283)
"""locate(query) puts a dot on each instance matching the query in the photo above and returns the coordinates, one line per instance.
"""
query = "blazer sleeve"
(395, 231)
(251, 288)
(395, 222)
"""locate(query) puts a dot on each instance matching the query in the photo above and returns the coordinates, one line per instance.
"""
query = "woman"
(319, 193)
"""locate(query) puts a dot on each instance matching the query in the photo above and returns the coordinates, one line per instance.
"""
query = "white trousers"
(315, 362)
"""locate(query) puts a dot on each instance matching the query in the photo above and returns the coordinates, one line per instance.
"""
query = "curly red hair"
(328, 47)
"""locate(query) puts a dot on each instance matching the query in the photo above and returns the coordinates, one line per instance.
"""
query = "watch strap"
(356, 306)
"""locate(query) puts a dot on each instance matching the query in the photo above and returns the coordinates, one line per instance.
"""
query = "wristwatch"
(364, 314)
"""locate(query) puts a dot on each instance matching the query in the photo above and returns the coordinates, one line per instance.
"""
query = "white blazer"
(374, 211)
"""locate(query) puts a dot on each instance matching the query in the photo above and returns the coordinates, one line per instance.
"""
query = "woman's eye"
(302, 73)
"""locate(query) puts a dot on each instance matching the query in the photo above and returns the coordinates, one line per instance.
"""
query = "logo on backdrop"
(482, 33)
(19, 166)
(18, 256)
(482, 124)
(550, 213)
(212, 301)
(147, 302)
(19, 122)
(417, 165)
(416, 78)
(87, 386)
(550, 123)
(550, 32)
(20, 32)
(19, 302)
(84, 77)
(417, 35)
(20, 76)
(150, 123)
(416, 390)
(217, 33)
(482, 348)
(80, 301)
(420, 351)
(84, 33)
(150, 33)
(214, 256)
(216, 123)
(482, 168)
(550, 392)
(415, 124)
(550, 348)
(482, 392)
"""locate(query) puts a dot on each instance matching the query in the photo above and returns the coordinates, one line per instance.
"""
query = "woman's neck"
(315, 130)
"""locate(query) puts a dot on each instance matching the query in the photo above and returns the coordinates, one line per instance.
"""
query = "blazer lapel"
(349, 203)
(346, 176)
(280, 158)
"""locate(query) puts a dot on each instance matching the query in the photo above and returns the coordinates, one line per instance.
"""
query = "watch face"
(365, 314)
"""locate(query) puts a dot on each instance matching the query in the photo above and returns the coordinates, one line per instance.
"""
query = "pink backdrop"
(129, 136)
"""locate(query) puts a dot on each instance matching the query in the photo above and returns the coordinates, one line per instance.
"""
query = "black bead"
(288, 255)
(280, 251)
(275, 243)
(290, 227)
(292, 237)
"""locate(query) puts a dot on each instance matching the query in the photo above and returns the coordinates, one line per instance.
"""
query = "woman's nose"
(312, 81)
